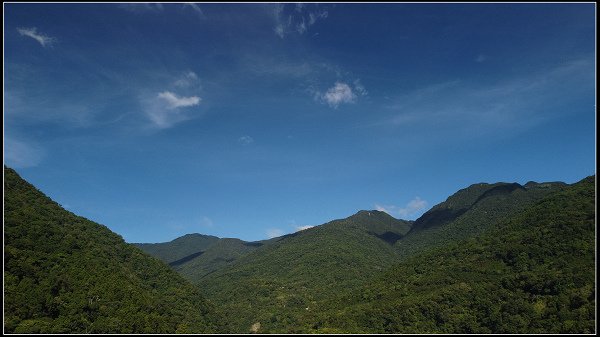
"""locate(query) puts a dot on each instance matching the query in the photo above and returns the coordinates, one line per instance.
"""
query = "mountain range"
(492, 258)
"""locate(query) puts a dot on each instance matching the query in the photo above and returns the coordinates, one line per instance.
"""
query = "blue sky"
(255, 120)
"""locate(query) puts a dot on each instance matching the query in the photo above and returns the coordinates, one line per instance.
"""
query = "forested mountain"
(66, 274)
(471, 211)
(275, 284)
(532, 273)
(492, 258)
(180, 248)
(345, 276)
(196, 255)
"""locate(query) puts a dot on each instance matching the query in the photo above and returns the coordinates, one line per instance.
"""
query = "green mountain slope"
(196, 255)
(66, 274)
(471, 211)
(220, 255)
(180, 248)
(280, 280)
(532, 273)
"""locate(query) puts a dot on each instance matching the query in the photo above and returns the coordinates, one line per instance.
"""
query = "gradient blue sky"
(254, 120)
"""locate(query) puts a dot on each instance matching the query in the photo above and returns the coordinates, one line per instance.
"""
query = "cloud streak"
(412, 208)
(173, 101)
(448, 109)
(44, 40)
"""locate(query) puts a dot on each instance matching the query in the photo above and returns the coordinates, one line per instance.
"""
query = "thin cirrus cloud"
(412, 208)
(341, 93)
(246, 140)
(512, 105)
(44, 40)
(274, 232)
(21, 154)
(297, 20)
(195, 8)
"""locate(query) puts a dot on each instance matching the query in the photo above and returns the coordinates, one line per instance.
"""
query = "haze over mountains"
(492, 258)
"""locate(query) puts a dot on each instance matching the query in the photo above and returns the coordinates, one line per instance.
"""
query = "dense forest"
(66, 274)
(492, 258)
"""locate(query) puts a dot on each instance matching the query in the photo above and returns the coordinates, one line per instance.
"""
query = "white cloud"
(359, 88)
(301, 27)
(19, 154)
(280, 31)
(274, 232)
(173, 101)
(32, 33)
(188, 79)
(412, 208)
(246, 140)
(388, 209)
(296, 20)
(301, 228)
(195, 7)
(338, 94)
(167, 109)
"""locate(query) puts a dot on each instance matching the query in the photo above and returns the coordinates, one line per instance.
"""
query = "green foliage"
(493, 258)
(532, 273)
(469, 212)
(66, 274)
(278, 283)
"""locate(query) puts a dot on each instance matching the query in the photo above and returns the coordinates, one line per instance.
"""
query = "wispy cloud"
(480, 58)
(19, 154)
(297, 18)
(39, 37)
(188, 80)
(167, 108)
(246, 140)
(341, 93)
(173, 101)
(301, 228)
(412, 208)
(274, 232)
(513, 104)
(142, 7)
(195, 7)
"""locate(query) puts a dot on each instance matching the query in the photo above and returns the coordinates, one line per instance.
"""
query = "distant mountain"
(196, 255)
(66, 274)
(534, 272)
(288, 276)
(180, 248)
